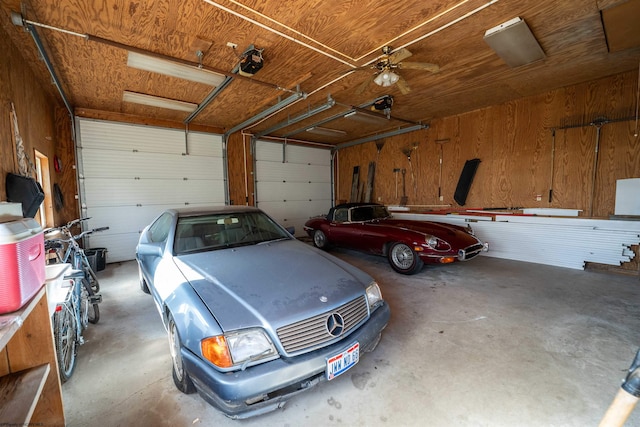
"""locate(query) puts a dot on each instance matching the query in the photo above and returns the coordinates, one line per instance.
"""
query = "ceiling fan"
(386, 66)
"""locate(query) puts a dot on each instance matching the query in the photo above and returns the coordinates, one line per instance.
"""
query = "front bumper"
(451, 256)
(266, 387)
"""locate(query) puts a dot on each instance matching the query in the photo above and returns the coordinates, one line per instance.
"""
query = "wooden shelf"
(23, 390)
(10, 323)
(30, 391)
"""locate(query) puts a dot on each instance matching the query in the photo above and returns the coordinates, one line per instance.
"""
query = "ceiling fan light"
(386, 78)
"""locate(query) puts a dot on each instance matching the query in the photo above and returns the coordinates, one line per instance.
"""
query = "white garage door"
(293, 182)
(130, 173)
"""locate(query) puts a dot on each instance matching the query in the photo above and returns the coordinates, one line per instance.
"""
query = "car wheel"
(403, 259)
(320, 239)
(143, 283)
(180, 376)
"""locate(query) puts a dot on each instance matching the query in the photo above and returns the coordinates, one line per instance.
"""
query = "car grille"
(312, 332)
(471, 252)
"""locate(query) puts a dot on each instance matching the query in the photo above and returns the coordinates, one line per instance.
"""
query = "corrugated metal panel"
(294, 213)
(273, 152)
(204, 144)
(126, 137)
(290, 191)
(562, 242)
(128, 164)
(142, 217)
(130, 173)
(133, 192)
(293, 191)
(292, 172)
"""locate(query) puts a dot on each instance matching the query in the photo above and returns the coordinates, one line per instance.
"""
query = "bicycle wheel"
(66, 340)
(89, 311)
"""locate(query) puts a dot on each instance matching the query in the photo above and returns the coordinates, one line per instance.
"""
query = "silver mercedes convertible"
(253, 315)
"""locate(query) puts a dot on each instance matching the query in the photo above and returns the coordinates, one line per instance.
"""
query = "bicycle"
(67, 249)
(71, 318)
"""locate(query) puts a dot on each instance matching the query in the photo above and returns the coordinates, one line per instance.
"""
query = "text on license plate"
(340, 363)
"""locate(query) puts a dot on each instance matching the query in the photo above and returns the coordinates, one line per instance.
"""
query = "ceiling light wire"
(409, 31)
(428, 21)
(455, 21)
(635, 134)
(281, 34)
(292, 30)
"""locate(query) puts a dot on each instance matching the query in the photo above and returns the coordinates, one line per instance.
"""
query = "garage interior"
(291, 110)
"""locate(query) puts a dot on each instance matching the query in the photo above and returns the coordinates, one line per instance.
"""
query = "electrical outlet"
(232, 45)
(538, 198)
(441, 198)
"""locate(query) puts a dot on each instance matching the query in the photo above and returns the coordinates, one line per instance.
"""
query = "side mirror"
(291, 230)
(150, 249)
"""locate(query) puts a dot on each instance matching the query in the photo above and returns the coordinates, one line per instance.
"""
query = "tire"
(89, 312)
(320, 240)
(66, 340)
(143, 283)
(403, 259)
(180, 376)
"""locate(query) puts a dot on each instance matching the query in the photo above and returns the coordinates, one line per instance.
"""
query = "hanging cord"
(635, 134)
(25, 165)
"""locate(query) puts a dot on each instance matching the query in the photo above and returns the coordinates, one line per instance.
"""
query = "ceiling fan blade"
(364, 84)
(403, 86)
(399, 55)
(434, 68)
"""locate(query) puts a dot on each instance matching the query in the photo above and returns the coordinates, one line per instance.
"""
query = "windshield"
(368, 213)
(225, 230)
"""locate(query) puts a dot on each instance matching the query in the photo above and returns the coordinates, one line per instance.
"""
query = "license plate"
(341, 363)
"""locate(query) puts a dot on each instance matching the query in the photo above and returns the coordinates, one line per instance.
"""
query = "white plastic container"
(22, 261)
(56, 290)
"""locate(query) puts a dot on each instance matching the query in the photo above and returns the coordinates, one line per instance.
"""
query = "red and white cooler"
(22, 261)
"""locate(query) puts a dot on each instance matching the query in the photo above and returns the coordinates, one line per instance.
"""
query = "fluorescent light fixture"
(386, 78)
(350, 113)
(156, 101)
(174, 69)
(514, 42)
(325, 131)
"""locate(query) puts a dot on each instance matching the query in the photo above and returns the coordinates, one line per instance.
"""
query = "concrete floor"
(489, 342)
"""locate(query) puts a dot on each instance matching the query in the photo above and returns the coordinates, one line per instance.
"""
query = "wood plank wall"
(240, 168)
(38, 123)
(514, 142)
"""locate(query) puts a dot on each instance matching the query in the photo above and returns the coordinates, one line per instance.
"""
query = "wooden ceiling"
(313, 45)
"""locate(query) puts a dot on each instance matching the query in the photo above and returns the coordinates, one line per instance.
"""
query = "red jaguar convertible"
(369, 227)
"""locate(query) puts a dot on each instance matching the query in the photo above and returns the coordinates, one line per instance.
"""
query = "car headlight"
(374, 296)
(432, 241)
(437, 244)
(238, 348)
